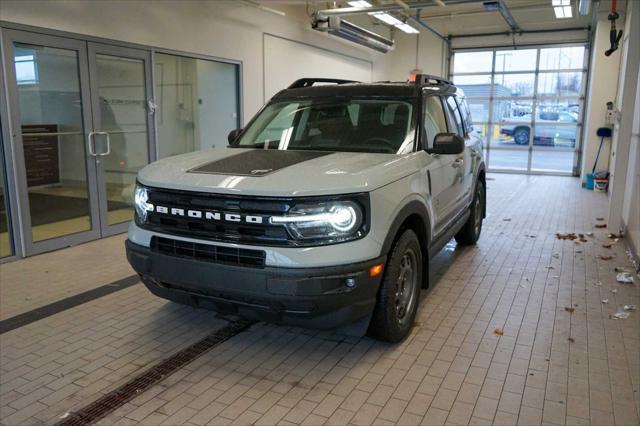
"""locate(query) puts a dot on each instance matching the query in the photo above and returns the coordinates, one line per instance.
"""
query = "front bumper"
(308, 297)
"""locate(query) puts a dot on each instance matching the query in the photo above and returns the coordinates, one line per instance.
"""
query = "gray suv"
(322, 212)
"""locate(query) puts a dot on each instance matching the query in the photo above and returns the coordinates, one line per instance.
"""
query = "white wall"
(425, 52)
(602, 88)
(226, 29)
(287, 60)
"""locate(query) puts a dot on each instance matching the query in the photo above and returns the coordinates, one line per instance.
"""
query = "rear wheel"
(397, 303)
(521, 136)
(470, 232)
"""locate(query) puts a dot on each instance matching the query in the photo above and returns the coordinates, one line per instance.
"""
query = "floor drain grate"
(125, 393)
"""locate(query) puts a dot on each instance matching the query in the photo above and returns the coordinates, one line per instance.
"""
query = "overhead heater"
(338, 27)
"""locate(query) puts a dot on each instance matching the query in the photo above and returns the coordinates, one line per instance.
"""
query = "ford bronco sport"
(323, 211)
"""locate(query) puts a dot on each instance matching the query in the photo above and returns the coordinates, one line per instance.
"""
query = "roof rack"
(308, 82)
(428, 78)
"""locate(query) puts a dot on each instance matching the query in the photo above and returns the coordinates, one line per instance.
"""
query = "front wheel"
(397, 303)
(470, 232)
(521, 136)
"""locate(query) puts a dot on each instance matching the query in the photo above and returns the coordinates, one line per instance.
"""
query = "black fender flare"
(413, 207)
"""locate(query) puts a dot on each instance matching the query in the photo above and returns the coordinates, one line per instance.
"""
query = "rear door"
(462, 162)
(442, 171)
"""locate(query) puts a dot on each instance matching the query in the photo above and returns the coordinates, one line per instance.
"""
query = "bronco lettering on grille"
(209, 215)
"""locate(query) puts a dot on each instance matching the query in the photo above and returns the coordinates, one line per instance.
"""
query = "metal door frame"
(29, 247)
(94, 49)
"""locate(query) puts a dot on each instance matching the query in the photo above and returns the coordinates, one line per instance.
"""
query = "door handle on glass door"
(90, 144)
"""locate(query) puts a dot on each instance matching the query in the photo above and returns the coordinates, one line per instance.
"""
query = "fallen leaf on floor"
(575, 305)
(620, 269)
(605, 300)
(600, 225)
(624, 278)
(608, 245)
(566, 236)
(571, 339)
(600, 218)
(507, 219)
(582, 240)
(578, 251)
(523, 286)
(597, 283)
(590, 234)
(556, 255)
(550, 267)
(614, 291)
(614, 236)
(556, 276)
(621, 315)
(605, 257)
(498, 332)
(630, 307)
(569, 309)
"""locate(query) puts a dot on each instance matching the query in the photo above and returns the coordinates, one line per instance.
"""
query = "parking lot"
(515, 330)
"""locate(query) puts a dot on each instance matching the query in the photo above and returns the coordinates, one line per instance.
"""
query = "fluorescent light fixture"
(385, 17)
(407, 29)
(359, 3)
(559, 2)
(563, 12)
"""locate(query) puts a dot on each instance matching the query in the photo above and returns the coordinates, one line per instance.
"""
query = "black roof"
(304, 88)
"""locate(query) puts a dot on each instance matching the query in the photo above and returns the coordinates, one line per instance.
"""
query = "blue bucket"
(590, 181)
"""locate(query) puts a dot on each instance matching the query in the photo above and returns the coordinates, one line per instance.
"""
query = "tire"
(470, 232)
(399, 293)
(521, 136)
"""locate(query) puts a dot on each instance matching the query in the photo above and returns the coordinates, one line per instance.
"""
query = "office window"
(197, 103)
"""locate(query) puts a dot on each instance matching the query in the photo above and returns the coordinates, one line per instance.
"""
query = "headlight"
(140, 198)
(334, 221)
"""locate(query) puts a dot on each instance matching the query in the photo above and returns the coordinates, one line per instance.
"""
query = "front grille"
(219, 230)
(209, 253)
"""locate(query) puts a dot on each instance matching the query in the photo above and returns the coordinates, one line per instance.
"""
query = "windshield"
(357, 125)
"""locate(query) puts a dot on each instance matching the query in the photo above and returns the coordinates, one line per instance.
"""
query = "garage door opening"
(527, 104)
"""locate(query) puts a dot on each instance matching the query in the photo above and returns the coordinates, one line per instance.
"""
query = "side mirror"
(447, 143)
(233, 135)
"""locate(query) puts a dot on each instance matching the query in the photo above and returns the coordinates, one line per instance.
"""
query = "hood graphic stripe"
(257, 162)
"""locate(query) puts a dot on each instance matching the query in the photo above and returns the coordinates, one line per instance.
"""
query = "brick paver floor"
(512, 331)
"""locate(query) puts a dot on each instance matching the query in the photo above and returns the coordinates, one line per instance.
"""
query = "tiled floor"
(558, 359)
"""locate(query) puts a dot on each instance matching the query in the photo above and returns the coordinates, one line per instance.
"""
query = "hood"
(274, 172)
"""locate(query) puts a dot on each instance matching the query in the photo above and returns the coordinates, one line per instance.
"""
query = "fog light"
(350, 282)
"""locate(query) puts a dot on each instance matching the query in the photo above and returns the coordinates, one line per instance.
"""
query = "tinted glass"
(357, 125)
(454, 113)
(434, 121)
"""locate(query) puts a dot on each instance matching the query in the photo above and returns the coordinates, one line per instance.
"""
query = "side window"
(434, 120)
(466, 113)
(454, 114)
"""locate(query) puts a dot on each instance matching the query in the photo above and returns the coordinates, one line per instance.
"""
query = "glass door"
(122, 128)
(50, 114)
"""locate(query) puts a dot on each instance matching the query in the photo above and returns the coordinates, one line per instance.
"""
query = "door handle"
(457, 162)
(108, 151)
(91, 144)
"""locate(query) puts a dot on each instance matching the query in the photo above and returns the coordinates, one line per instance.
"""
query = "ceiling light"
(559, 2)
(563, 12)
(387, 18)
(407, 29)
(359, 3)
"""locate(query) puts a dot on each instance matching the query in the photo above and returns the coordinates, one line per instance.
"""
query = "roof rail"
(308, 82)
(427, 78)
